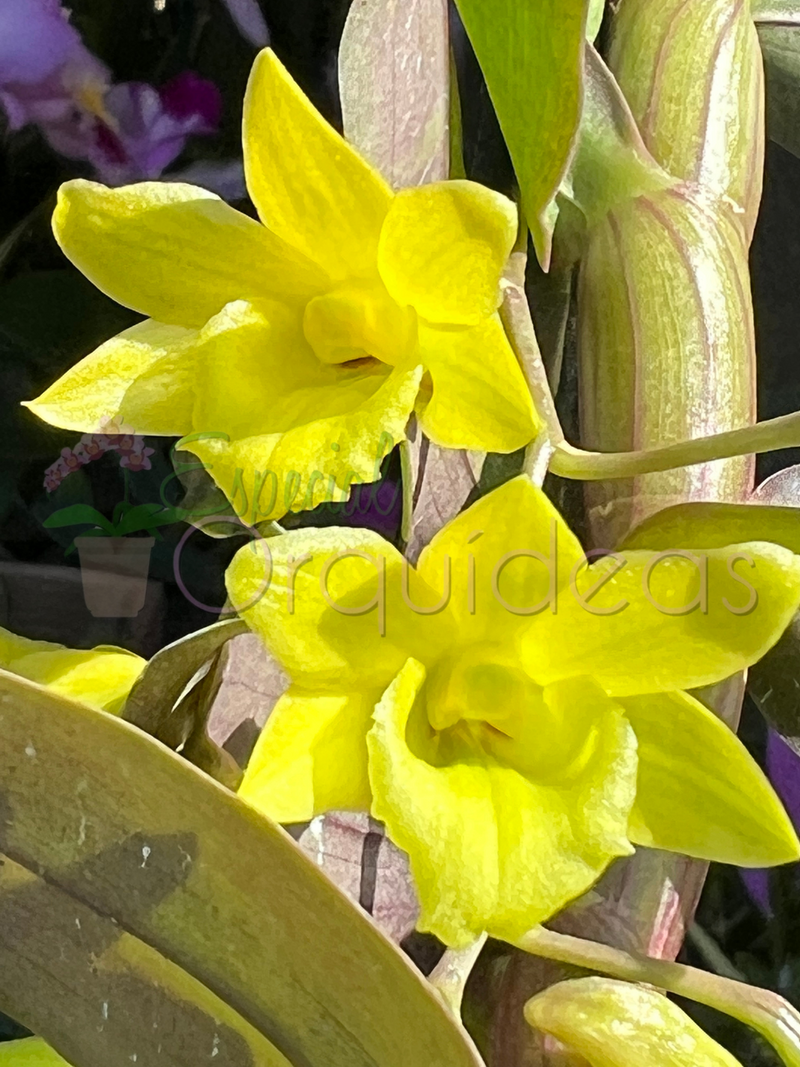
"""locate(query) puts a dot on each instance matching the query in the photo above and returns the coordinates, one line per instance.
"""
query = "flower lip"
(354, 323)
(480, 683)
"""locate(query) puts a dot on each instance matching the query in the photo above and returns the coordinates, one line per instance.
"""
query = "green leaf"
(168, 673)
(780, 45)
(143, 907)
(78, 515)
(394, 78)
(531, 54)
(618, 1024)
(766, 11)
(597, 9)
(148, 517)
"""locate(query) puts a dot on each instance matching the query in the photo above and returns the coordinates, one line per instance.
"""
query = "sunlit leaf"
(531, 54)
(141, 905)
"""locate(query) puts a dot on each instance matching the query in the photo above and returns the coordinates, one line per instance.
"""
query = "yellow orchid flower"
(292, 353)
(515, 716)
(101, 677)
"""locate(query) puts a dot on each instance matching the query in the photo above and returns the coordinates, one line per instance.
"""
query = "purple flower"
(47, 76)
(54, 475)
(36, 41)
(249, 20)
(137, 459)
(146, 129)
(90, 447)
(783, 769)
(127, 132)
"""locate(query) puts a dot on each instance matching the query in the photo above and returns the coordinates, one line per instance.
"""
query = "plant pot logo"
(114, 551)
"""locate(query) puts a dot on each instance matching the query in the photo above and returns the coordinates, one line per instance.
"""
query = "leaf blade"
(531, 54)
(324, 987)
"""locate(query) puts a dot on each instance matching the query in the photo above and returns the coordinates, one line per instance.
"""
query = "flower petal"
(295, 468)
(311, 756)
(617, 1024)
(660, 624)
(480, 399)
(309, 185)
(101, 677)
(94, 390)
(331, 609)
(521, 551)
(175, 252)
(713, 524)
(699, 790)
(29, 1052)
(492, 849)
(444, 247)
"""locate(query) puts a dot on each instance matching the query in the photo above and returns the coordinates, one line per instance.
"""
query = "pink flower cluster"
(133, 455)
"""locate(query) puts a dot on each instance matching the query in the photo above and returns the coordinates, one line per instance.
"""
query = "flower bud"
(616, 1024)
(666, 344)
(693, 76)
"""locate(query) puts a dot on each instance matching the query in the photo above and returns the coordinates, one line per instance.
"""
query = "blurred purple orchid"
(46, 72)
(249, 20)
(783, 770)
(146, 129)
(127, 132)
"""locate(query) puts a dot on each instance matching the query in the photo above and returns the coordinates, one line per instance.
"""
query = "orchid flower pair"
(516, 717)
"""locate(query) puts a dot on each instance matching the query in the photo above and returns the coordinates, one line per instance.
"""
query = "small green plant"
(127, 518)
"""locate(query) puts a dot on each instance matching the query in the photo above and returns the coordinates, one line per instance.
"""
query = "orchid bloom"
(101, 677)
(293, 352)
(47, 75)
(529, 725)
(147, 128)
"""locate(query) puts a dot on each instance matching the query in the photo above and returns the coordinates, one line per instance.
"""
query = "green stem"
(766, 1012)
(516, 318)
(407, 481)
(570, 462)
(449, 976)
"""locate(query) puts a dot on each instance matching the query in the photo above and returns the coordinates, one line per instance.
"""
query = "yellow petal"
(175, 252)
(358, 322)
(308, 184)
(491, 848)
(274, 473)
(511, 548)
(331, 607)
(667, 621)
(620, 1024)
(699, 790)
(480, 399)
(311, 756)
(101, 677)
(94, 390)
(444, 247)
(29, 1052)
